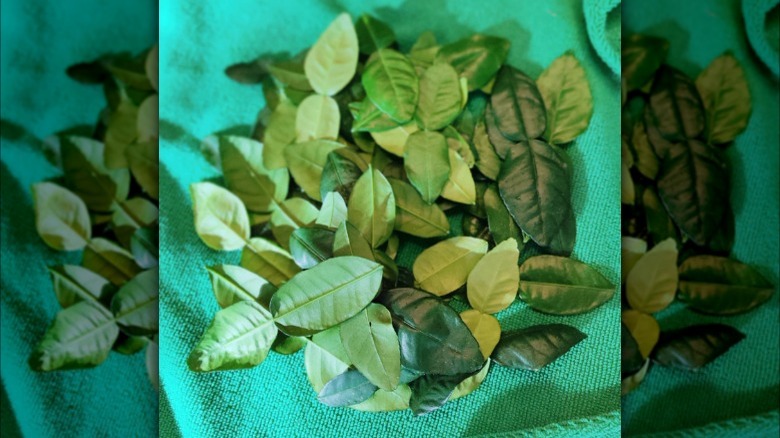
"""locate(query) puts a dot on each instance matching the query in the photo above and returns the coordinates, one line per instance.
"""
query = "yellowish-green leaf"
(306, 161)
(427, 163)
(644, 329)
(279, 133)
(394, 140)
(61, 217)
(460, 185)
(415, 216)
(492, 284)
(440, 97)
(221, 220)
(566, 93)
(267, 260)
(333, 211)
(652, 282)
(372, 346)
(332, 60)
(317, 118)
(631, 250)
(484, 327)
(247, 177)
(726, 97)
(444, 267)
(110, 260)
(372, 207)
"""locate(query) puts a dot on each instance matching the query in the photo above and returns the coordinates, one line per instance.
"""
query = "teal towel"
(744, 382)
(762, 23)
(604, 30)
(576, 396)
(40, 39)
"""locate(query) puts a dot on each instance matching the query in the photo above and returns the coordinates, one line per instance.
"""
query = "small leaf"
(385, 401)
(373, 34)
(631, 359)
(460, 185)
(317, 118)
(346, 389)
(414, 216)
(394, 140)
(74, 283)
(500, 222)
(310, 246)
(471, 383)
(110, 261)
(566, 93)
(292, 214)
(430, 392)
(372, 346)
(440, 97)
(333, 211)
(268, 261)
(652, 282)
(477, 58)
(306, 162)
(392, 84)
(484, 327)
(695, 346)
(719, 286)
(144, 247)
(321, 365)
(247, 177)
(239, 337)
(339, 175)
(644, 329)
(233, 284)
(631, 250)
(343, 285)
(631, 382)
(221, 220)
(641, 56)
(726, 98)
(121, 132)
(492, 284)
(445, 266)
(143, 161)
(349, 241)
(61, 217)
(517, 105)
(279, 133)
(372, 207)
(535, 347)
(675, 106)
(427, 163)
(332, 60)
(83, 163)
(487, 161)
(135, 304)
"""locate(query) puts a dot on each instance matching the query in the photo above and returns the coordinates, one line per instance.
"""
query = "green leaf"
(631, 250)
(485, 329)
(427, 163)
(445, 266)
(646, 160)
(517, 105)
(460, 185)
(343, 285)
(492, 284)
(279, 133)
(486, 159)
(534, 184)
(433, 338)
(458, 143)
(330, 341)
(719, 286)
(660, 225)
(290, 72)
(143, 161)
(339, 175)
(129, 345)
(500, 144)
(373, 34)
(500, 222)
(392, 84)
(221, 220)
(477, 58)
(631, 359)
(726, 97)
(562, 286)
(349, 241)
(693, 183)
(346, 389)
(640, 58)
(372, 207)
(675, 106)
(144, 247)
(287, 345)
(318, 117)
(440, 97)
(292, 214)
(267, 260)
(333, 211)
(135, 212)
(135, 304)
(567, 99)
(652, 282)
(110, 261)
(394, 140)
(372, 346)
(239, 337)
(74, 283)
(306, 162)
(332, 60)
(87, 176)
(644, 329)
(385, 401)
(80, 337)
(535, 347)
(233, 284)
(121, 132)
(430, 392)
(310, 246)
(368, 118)
(247, 177)
(61, 217)
(414, 216)
(695, 346)
(321, 365)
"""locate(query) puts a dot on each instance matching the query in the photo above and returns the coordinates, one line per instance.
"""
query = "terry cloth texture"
(40, 39)
(578, 394)
(743, 382)
(603, 23)
(762, 23)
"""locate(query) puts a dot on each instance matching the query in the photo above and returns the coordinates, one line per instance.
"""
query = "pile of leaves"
(104, 205)
(676, 202)
(382, 147)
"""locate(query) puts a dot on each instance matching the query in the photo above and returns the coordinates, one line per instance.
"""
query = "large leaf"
(567, 99)
(477, 58)
(692, 183)
(135, 304)
(675, 106)
(306, 162)
(232, 284)
(290, 215)
(641, 56)
(427, 163)
(501, 145)
(311, 245)
(719, 286)
(238, 337)
(339, 175)
(502, 225)
(445, 266)
(492, 284)
(414, 216)
(460, 185)
(726, 97)
(517, 105)
(80, 337)
(332, 60)
(343, 286)
(247, 177)
(372, 346)
(109, 260)
(433, 338)
(346, 389)
(392, 84)
(652, 282)
(372, 207)
(73, 283)
(534, 184)
(562, 286)
(440, 97)
(278, 134)
(321, 365)
(373, 34)
(318, 117)
(535, 347)
(86, 175)
(221, 220)
(61, 217)
(485, 328)
(695, 346)
(267, 260)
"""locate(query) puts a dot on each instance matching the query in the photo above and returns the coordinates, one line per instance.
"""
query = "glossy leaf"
(346, 389)
(562, 286)
(279, 133)
(477, 58)
(726, 98)
(221, 220)
(317, 118)
(135, 304)
(331, 62)
(502, 226)
(83, 163)
(268, 261)
(349, 241)
(430, 392)
(372, 346)
(445, 266)
(440, 97)
(74, 283)
(343, 285)
(333, 211)
(695, 346)
(484, 327)
(233, 284)
(321, 365)
(675, 105)
(61, 217)
(641, 56)
(385, 401)
(110, 261)
(414, 216)
(492, 284)
(652, 283)
(247, 177)
(517, 106)
(394, 140)
(535, 347)
(292, 214)
(720, 286)
(567, 99)
(427, 163)
(240, 336)
(373, 34)
(311, 245)
(306, 162)
(339, 175)
(372, 207)
(392, 84)
(460, 185)
(644, 329)
(144, 247)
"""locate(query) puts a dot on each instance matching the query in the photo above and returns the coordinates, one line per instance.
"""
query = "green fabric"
(744, 382)
(762, 23)
(579, 394)
(604, 30)
(39, 40)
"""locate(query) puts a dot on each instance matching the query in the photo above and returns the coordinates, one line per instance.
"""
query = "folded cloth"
(602, 18)
(762, 23)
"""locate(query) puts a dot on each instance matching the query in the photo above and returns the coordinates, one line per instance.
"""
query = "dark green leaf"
(501, 224)
(517, 105)
(339, 175)
(430, 392)
(87, 176)
(392, 84)
(135, 304)
(143, 245)
(501, 146)
(477, 58)
(695, 346)
(640, 58)
(310, 246)
(373, 34)
(631, 359)
(535, 347)
(675, 106)
(346, 389)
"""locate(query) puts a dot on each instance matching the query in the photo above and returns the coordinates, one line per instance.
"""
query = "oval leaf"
(306, 162)
(310, 246)
(267, 260)
(333, 211)
(726, 98)
(484, 327)
(477, 58)
(372, 346)
(460, 185)
(135, 304)
(373, 34)
(109, 260)
(500, 222)
(414, 216)
(61, 217)
(221, 220)
(346, 389)
(318, 117)
(279, 133)
(232, 284)
(652, 283)
(292, 214)
(247, 177)
(567, 99)
(492, 284)
(332, 60)
(535, 347)
(394, 140)
(372, 207)
(427, 163)
(74, 283)
(392, 84)
(517, 105)
(339, 175)
(445, 267)
(644, 329)
(675, 106)
(440, 98)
